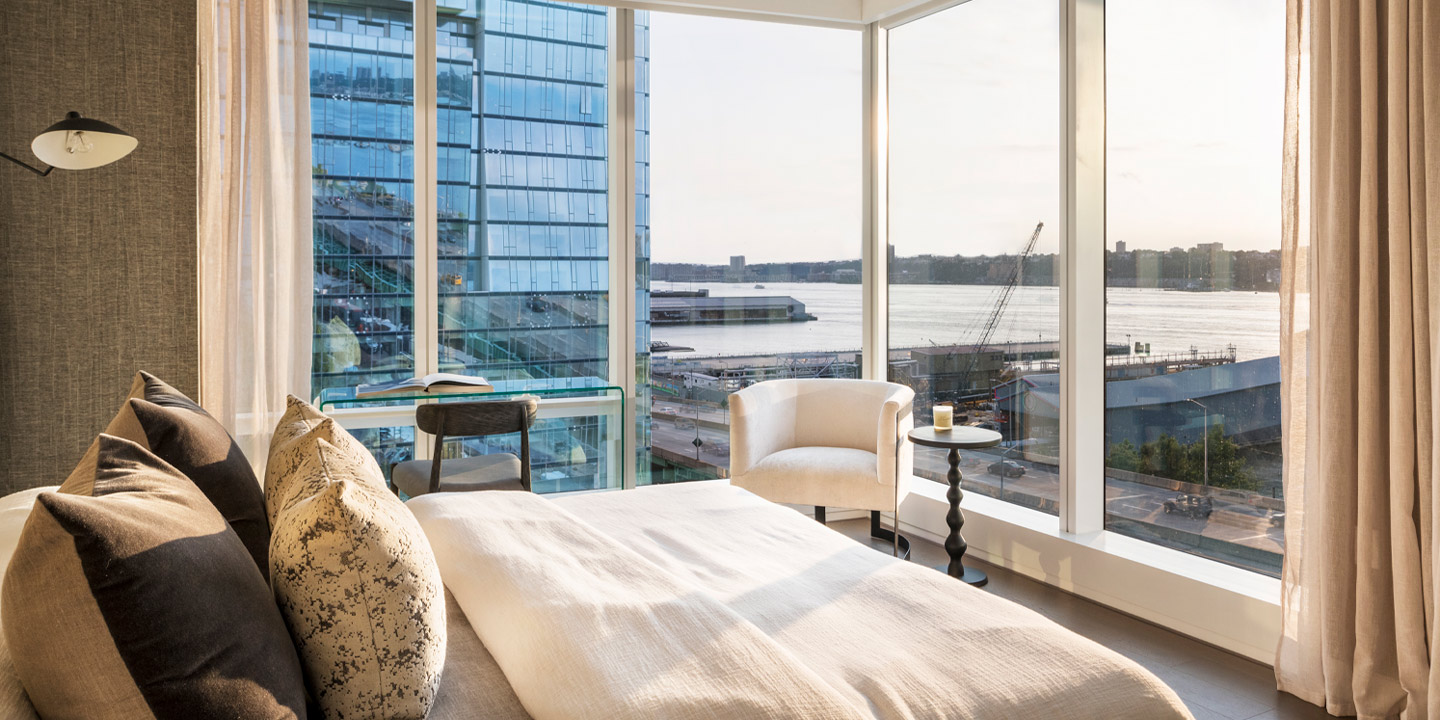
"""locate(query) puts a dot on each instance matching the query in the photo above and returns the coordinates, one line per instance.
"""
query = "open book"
(432, 383)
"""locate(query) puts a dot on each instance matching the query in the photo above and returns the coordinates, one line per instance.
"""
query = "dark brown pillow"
(138, 600)
(164, 421)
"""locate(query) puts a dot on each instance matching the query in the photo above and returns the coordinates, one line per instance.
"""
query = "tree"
(1169, 458)
(1123, 456)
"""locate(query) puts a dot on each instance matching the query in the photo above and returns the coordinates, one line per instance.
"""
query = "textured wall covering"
(97, 267)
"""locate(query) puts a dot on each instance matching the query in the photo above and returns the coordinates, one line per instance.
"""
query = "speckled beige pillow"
(358, 586)
(292, 444)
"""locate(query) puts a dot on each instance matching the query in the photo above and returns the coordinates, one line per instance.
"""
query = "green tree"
(1123, 456)
(1169, 458)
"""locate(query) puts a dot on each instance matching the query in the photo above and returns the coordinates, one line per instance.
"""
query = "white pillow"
(14, 511)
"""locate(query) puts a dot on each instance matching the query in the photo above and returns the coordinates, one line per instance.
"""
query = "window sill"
(1226, 606)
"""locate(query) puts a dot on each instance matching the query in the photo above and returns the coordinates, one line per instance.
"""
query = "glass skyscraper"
(522, 207)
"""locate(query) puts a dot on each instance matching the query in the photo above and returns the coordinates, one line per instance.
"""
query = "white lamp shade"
(78, 143)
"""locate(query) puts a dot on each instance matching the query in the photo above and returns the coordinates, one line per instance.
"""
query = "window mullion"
(426, 282)
(621, 195)
(874, 252)
(1082, 367)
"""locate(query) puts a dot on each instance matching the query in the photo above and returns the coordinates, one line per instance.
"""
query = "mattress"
(876, 636)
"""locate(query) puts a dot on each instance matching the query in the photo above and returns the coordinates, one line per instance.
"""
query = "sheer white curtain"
(1360, 358)
(255, 214)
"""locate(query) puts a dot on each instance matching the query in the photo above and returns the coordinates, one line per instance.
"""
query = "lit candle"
(944, 417)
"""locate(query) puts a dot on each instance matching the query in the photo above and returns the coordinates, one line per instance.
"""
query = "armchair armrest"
(895, 456)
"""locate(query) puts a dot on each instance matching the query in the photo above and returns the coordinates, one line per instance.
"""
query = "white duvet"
(703, 601)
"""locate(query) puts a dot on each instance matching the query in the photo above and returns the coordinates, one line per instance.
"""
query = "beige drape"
(1360, 361)
(255, 214)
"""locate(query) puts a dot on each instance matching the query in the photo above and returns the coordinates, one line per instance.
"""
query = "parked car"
(1006, 468)
(1194, 506)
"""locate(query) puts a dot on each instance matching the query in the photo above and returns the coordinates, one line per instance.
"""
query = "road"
(1230, 522)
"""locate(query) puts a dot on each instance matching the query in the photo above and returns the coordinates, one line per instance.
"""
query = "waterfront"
(1171, 321)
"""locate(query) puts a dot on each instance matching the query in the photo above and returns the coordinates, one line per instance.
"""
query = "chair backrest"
(842, 413)
(482, 417)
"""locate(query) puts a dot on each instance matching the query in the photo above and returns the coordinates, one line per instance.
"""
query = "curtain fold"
(255, 253)
(1360, 372)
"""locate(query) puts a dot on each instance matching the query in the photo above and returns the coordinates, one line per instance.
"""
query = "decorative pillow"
(140, 601)
(302, 421)
(14, 511)
(359, 587)
(164, 421)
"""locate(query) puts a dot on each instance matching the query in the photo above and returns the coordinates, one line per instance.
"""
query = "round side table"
(955, 440)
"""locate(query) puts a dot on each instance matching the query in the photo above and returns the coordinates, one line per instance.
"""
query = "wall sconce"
(78, 143)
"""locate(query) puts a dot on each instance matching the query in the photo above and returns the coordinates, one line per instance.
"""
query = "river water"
(1170, 321)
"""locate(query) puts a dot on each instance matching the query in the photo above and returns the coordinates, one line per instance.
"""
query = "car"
(1194, 506)
(1006, 468)
(1277, 520)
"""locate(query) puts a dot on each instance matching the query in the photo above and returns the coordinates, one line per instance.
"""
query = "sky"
(756, 145)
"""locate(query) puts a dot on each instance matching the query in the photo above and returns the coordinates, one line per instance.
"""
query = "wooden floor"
(1215, 684)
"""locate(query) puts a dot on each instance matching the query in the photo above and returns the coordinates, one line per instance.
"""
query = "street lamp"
(1206, 438)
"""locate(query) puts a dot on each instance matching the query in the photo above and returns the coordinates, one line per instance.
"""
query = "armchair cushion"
(838, 477)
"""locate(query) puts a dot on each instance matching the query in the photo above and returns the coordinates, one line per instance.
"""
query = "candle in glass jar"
(944, 417)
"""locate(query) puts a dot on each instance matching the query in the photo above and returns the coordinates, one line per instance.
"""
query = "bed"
(702, 600)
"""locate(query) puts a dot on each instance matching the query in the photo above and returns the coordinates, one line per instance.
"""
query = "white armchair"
(825, 442)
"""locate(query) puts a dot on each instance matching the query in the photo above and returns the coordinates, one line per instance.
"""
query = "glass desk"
(331, 399)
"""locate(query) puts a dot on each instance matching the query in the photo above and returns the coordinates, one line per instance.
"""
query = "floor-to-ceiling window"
(1194, 97)
(974, 199)
(753, 221)
(522, 213)
(520, 191)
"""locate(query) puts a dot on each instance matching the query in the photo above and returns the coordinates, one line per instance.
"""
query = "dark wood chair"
(496, 471)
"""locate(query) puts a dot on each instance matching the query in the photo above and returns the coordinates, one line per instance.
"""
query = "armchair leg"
(820, 514)
(900, 542)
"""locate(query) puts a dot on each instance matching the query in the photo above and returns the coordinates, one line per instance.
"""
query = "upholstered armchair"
(824, 442)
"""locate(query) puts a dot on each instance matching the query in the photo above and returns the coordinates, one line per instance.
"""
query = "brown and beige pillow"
(138, 600)
(292, 445)
(164, 421)
(357, 583)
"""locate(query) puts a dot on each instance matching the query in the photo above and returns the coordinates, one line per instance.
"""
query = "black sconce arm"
(27, 166)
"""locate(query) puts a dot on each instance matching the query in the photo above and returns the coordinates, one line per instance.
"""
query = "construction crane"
(992, 323)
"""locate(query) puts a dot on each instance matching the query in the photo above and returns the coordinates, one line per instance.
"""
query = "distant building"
(1120, 246)
(736, 271)
(1242, 397)
(698, 308)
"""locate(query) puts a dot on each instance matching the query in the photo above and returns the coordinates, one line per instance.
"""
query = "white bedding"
(733, 591)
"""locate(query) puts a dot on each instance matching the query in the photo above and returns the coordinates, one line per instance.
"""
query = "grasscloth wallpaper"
(97, 267)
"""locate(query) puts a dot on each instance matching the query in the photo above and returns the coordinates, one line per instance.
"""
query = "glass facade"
(362, 95)
(974, 204)
(1192, 406)
(521, 200)
(758, 275)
